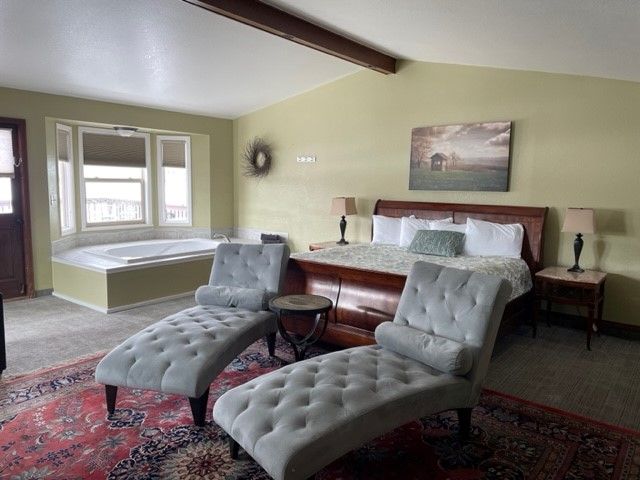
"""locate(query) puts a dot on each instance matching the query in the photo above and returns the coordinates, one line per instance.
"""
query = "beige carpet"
(46, 331)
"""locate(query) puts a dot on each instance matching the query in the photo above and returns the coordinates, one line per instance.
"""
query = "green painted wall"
(576, 142)
(35, 107)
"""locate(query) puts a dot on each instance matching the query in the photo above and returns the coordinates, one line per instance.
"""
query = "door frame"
(23, 174)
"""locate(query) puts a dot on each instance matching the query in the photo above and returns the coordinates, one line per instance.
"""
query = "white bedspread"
(392, 259)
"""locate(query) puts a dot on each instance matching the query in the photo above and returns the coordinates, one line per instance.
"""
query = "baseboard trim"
(77, 301)
(120, 308)
(151, 302)
(607, 327)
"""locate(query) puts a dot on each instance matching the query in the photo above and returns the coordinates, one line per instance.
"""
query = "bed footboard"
(362, 300)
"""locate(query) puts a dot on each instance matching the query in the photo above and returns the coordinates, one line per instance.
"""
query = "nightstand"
(322, 245)
(557, 285)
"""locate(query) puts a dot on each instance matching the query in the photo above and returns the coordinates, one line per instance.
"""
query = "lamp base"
(343, 227)
(577, 248)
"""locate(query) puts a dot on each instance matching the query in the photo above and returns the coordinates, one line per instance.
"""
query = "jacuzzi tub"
(147, 251)
(114, 277)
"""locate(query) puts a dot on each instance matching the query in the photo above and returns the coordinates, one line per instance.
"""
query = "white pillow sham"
(485, 239)
(451, 227)
(410, 225)
(386, 230)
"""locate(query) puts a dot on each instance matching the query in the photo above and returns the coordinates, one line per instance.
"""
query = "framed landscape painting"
(469, 156)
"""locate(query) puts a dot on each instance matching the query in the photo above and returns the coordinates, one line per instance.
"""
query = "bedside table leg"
(548, 312)
(589, 327)
(600, 303)
(599, 319)
(537, 305)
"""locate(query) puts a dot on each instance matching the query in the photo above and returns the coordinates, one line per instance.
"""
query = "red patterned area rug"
(53, 424)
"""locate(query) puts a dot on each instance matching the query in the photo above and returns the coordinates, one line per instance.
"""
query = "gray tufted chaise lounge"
(184, 352)
(432, 357)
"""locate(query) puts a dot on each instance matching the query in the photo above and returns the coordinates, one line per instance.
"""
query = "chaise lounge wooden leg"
(199, 408)
(234, 448)
(271, 344)
(464, 423)
(111, 392)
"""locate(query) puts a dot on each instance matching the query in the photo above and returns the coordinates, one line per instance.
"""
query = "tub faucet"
(222, 236)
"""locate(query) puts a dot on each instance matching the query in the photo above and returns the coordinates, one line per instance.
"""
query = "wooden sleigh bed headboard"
(531, 218)
(363, 299)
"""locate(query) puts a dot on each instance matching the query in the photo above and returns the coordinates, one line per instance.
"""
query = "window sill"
(175, 224)
(121, 226)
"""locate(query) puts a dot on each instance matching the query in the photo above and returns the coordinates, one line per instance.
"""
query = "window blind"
(173, 153)
(6, 153)
(63, 145)
(113, 151)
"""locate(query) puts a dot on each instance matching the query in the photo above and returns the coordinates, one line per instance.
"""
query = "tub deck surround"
(141, 252)
(103, 237)
(115, 277)
(119, 257)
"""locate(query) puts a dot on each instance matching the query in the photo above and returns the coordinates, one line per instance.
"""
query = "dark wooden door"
(3, 349)
(13, 214)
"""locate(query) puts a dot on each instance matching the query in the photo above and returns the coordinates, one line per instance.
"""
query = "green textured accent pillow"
(437, 242)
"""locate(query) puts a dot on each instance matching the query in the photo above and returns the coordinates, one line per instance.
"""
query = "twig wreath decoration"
(257, 158)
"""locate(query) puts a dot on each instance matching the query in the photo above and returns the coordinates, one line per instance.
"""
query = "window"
(114, 183)
(66, 193)
(6, 170)
(174, 180)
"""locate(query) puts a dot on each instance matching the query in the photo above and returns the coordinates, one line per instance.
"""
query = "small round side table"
(305, 305)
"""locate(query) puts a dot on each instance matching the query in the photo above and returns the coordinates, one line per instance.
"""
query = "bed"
(365, 282)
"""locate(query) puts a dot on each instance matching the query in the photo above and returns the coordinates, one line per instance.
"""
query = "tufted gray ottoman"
(183, 353)
(432, 357)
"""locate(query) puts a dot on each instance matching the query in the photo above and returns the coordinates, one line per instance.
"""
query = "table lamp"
(578, 221)
(343, 206)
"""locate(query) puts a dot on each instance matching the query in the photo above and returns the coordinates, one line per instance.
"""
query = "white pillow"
(410, 225)
(451, 227)
(386, 230)
(485, 239)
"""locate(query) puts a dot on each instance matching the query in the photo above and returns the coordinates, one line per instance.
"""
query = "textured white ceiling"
(172, 55)
(159, 53)
(586, 37)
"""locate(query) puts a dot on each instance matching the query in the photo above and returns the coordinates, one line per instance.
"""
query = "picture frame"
(461, 157)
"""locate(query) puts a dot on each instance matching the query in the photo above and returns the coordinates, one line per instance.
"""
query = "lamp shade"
(343, 206)
(579, 220)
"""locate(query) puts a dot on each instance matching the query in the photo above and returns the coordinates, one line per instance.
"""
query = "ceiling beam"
(285, 25)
